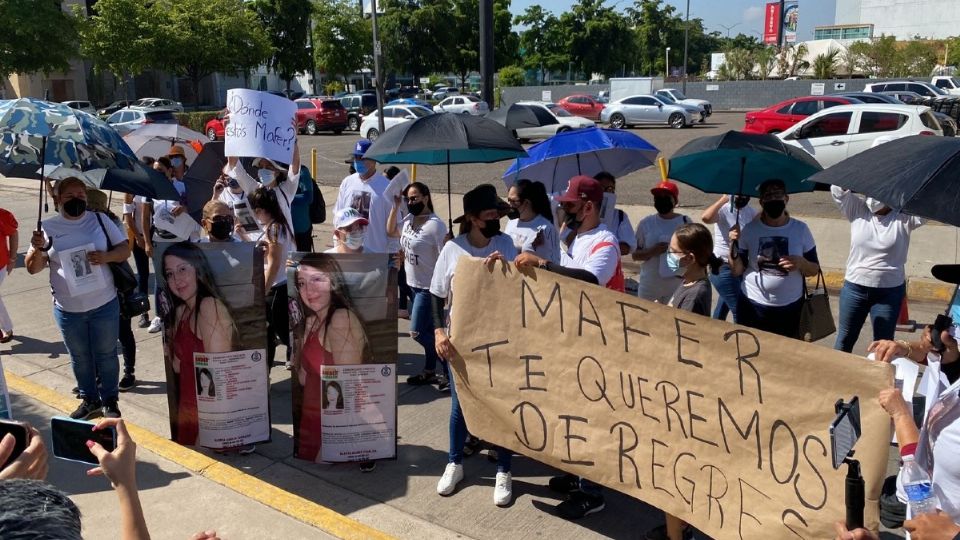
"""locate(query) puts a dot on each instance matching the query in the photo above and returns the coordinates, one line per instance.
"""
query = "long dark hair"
(206, 287)
(266, 199)
(326, 400)
(424, 191)
(698, 240)
(212, 390)
(536, 193)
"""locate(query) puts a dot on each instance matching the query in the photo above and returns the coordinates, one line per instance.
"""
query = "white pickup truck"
(947, 84)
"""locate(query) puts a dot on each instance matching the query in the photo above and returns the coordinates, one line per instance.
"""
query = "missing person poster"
(723, 426)
(217, 375)
(343, 318)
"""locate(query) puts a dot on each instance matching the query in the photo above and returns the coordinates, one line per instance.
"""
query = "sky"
(744, 16)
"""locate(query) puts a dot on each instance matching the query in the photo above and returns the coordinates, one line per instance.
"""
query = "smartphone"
(70, 439)
(20, 435)
(845, 431)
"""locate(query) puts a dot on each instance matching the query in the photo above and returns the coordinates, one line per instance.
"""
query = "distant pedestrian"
(8, 261)
(657, 281)
(616, 220)
(531, 221)
(724, 216)
(364, 192)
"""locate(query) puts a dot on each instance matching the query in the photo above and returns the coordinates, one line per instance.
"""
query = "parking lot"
(631, 189)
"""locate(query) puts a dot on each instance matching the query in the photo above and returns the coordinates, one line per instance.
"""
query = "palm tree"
(825, 65)
(766, 58)
(740, 63)
(798, 60)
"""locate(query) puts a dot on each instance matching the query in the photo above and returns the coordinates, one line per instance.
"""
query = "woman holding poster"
(329, 333)
(199, 323)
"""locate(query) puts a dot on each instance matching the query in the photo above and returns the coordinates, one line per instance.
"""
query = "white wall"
(904, 19)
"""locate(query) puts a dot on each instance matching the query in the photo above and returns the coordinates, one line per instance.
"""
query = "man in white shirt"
(364, 192)
(616, 220)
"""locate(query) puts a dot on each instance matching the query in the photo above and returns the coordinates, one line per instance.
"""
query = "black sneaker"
(110, 409)
(127, 382)
(580, 505)
(660, 533)
(420, 379)
(75, 391)
(567, 483)
(367, 466)
(443, 385)
(88, 410)
(144, 321)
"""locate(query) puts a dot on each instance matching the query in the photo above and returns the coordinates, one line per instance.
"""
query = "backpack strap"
(617, 282)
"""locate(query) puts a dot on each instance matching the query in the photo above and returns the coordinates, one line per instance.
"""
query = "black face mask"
(572, 222)
(491, 228)
(415, 208)
(513, 213)
(75, 207)
(221, 229)
(740, 202)
(774, 209)
(664, 205)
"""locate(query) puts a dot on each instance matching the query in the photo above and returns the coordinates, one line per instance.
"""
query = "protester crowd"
(756, 259)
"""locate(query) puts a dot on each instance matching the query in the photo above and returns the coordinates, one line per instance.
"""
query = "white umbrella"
(155, 140)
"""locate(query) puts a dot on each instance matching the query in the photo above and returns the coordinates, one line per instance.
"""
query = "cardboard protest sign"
(723, 426)
(217, 375)
(260, 125)
(343, 318)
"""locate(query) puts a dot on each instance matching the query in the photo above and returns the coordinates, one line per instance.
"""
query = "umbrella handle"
(43, 183)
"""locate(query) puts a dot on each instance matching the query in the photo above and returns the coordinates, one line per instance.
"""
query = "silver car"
(646, 110)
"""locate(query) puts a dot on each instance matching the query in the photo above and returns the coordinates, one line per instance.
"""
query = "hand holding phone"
(28, 461)
(119, 464)
(70, 439)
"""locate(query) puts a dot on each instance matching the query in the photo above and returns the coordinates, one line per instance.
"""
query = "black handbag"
(816, 319)
(132, 301)
(318, 208)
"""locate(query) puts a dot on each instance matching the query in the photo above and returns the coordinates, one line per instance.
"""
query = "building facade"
(904, 19)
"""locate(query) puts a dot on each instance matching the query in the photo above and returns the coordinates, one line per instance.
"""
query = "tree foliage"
(287, 23)
(416, 35)
(825, 64)
(342, 38)
(120, 37)
(542, 42)
(512, 76)
(39, 36)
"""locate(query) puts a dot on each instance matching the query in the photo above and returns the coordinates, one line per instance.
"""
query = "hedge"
(195, 120)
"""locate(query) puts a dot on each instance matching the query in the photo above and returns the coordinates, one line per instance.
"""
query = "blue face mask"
(360, 167)
(673, 262)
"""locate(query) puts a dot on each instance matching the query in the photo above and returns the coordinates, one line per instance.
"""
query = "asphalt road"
(631, 189)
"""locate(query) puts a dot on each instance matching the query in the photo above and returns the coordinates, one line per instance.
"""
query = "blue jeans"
(857, 301)
(458, 435)
(91, 339)
(728, 292)
(421, 327)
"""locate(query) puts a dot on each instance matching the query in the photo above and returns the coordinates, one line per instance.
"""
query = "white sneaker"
(503, 490)
(452, 475)
(155, 326)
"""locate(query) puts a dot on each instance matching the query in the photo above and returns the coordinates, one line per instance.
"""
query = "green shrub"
(512, 76)
(195, 120)
(332, 87)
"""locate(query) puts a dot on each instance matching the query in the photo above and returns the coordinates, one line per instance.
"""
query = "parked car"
(903, 96)
(84, 106)
(462, 105)
(837, 133)
(315, 115)
(214, 127)
(157, 103)
(443, 92)
(947, 124)
(400, 92)
(678, 96)
(696, 110)
(923, 88)
(392, 115)
(646, 110)
(785, 114)
(357, 107)
(129, 119)
(114, 107)
(565, 122)
(949, 84)
(582, 105)
(411, 101)
(868, 97)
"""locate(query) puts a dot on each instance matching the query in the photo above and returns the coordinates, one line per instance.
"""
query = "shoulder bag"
(132, 301)
(816, 319)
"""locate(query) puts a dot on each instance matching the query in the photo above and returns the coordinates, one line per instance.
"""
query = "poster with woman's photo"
(217, 375)
(344, 325)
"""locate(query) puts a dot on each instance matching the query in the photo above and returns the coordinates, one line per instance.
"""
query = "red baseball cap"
(667, 188)
(582, 188)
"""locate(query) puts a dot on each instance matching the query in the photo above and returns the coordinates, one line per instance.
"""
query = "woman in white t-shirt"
(875, 281)
(480, 236)
(531, 221)
(774, 254)
(724, 216)
(657, 281)
(74, 244)
(421, 235)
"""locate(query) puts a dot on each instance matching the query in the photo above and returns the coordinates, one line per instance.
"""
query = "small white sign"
(424, 81)
(713, 87)
(546, 95)
(817, 88)
(839, 86)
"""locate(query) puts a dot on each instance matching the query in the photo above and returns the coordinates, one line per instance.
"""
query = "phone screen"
(70, 439)
(844, 432)
(19, 432)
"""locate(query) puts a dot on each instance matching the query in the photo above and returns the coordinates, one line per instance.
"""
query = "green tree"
(880, 56)
(464, 55)
(342, 38)
(506, 42)
(202, 37)
(952, 45)
(416, 35)
(598, 37)
(766, 58)
(39, 36)
(825, 64)
(916, 58)
(512, 76)
(287, 23)
(652, 23)
(739, 63)
(542, 41)
(119, 38)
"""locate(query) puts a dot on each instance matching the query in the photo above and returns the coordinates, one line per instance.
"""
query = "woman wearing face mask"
(479, 237)
(875, 281)
(531, 221)
(657, 281)
(773, 254)
(218, 223)
(724, 216)
(350, 228)
(277, 238)
(74, 245)
(178, 162)
(421, 239)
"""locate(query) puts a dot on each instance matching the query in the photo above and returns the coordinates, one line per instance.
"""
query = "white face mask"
(353, 240)
(266, 176)
(874, 205)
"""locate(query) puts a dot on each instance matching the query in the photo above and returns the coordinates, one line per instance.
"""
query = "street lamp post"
(728, 28)
(377, 82)
(686, 43)
(667, 72)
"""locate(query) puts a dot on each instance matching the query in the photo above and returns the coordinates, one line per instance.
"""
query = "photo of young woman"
(197, 321)
(205, 385)
(332, 396)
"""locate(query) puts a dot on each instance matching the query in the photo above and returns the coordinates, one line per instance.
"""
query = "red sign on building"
(771, 23)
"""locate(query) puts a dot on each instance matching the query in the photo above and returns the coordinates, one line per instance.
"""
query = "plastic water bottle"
(916, 482)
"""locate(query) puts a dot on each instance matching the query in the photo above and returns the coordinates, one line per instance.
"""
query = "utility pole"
(313, 61)
(780, 28)
(377, 82)
(486, 51)
(667, 71)
(686, 44)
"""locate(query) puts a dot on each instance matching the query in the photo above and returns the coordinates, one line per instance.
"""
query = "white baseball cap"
(347, 217)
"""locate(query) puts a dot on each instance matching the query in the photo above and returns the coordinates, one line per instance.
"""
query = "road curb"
(249, 486)
(923, 290)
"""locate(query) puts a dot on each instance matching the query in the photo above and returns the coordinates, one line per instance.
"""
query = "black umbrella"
(446, 138)
(917, 175)
(518, 116)
(203, 173)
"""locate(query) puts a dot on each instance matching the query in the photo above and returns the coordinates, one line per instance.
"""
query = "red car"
(582, 105)
(214, 127)
(785, 114)
(326, 114)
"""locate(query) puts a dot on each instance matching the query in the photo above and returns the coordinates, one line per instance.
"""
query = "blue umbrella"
(584, 151)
